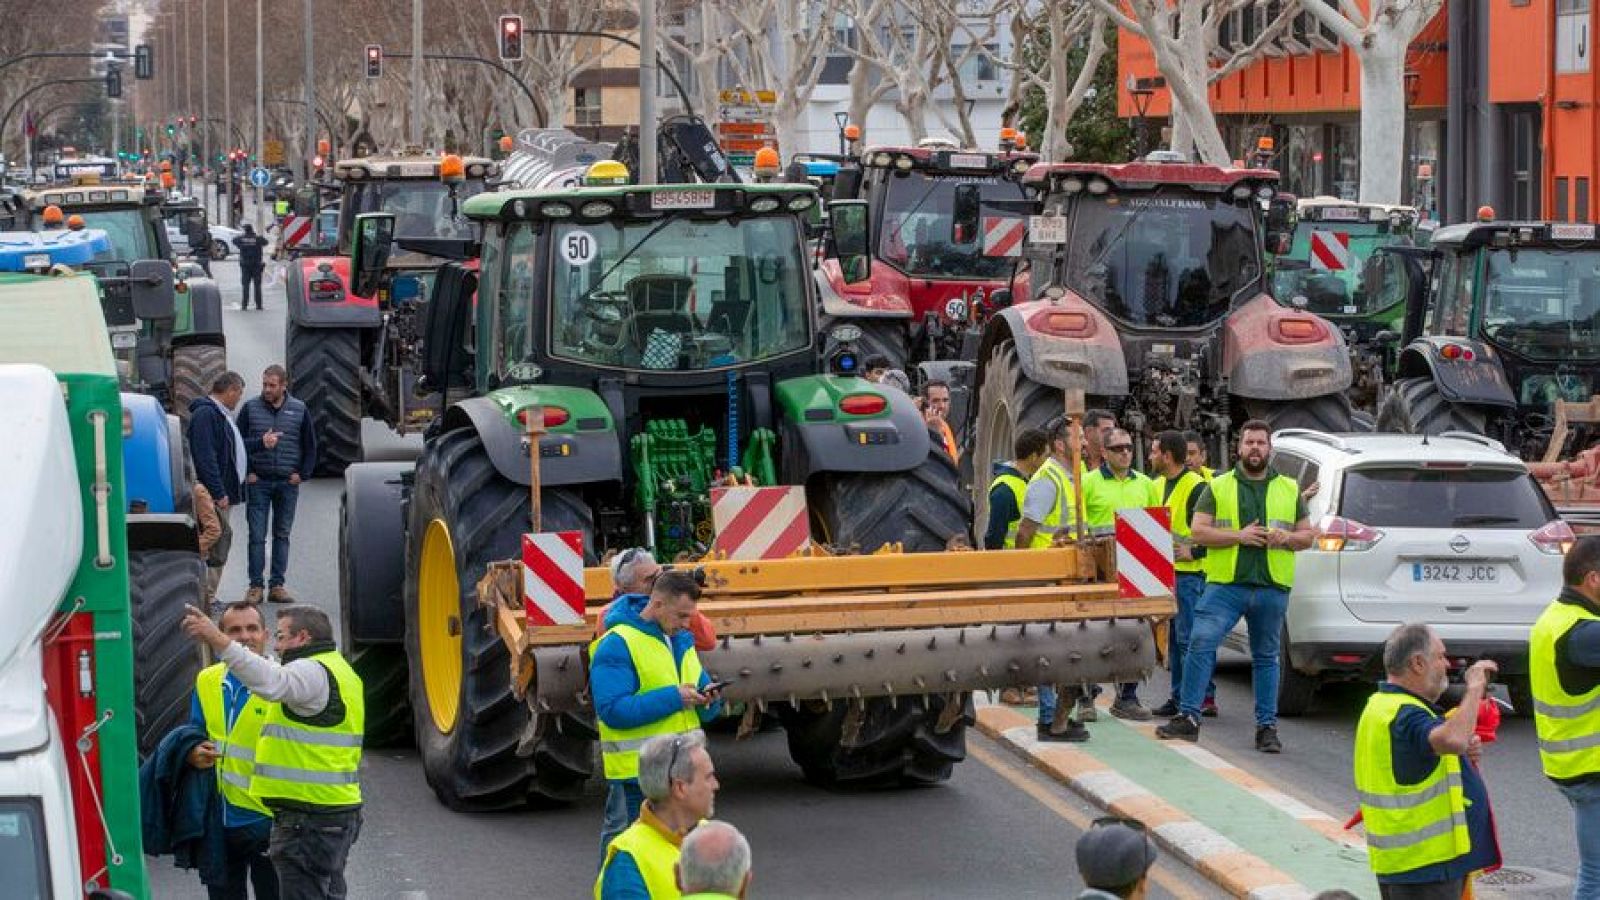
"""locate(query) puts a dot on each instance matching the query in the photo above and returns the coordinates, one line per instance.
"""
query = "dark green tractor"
(663, 339)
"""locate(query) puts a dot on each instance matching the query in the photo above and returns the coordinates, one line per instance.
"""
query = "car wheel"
(1295, 689)
(219, 249)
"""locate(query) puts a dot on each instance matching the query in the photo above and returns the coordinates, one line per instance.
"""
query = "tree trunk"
(861, 96)
(1383, 117)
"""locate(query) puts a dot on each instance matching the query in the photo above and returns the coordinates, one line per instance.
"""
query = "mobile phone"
(715, 686)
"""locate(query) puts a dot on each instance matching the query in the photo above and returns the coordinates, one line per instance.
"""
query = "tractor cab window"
(421, 207)
(1163, 259)
(128, 231)
(1451, 307)
(678, 293)
(1543, 304)
(918, 232)
(1333, 270)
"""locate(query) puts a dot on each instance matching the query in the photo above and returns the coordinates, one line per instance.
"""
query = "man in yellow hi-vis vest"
(1010, 484)
(1424, 805)
(1180, 488)
(308, 755)
(232, 718)
(680, 789)
(1564, 676)
(1252, 521)
(646, 680)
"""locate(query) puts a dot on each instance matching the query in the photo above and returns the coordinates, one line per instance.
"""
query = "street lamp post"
(416, 73)
(261, 146)
(647, 92)
(1140, 91)
(227, 114)
(842, 118)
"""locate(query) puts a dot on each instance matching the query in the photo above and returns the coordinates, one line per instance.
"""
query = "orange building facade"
(1501, 107)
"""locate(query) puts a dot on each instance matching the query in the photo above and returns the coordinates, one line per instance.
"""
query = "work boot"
(1087, 711)
(1131, 710)
(254, 595)
(1166, 710)
(1074, 733)
(1180, 728)
(1267, 739)
(279, 594)
(1209, 708)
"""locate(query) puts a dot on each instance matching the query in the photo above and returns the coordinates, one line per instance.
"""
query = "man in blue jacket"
(219, 462)
(282, 445)
(646, 681)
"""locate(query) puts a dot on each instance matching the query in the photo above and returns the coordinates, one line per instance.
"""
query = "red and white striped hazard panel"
(294, 230)
(552, 578)
(1144, 553)
(760, 522)
(1330, 250)
(1002, 236)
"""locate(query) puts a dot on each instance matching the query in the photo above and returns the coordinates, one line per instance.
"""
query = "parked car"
(221, 239)
(1450, 530)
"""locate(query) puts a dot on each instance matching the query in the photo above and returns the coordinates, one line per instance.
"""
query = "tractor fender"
(885, 295)
(1061, 350)
(582, 450)
(1478, 380)
(148, 460)
(820, 437)
(162, 531)
(1270, 352)
(372, 553)
(327, 309)
(205, 315)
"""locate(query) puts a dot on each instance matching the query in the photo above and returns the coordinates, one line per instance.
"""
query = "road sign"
(748, 129)
(748, 98)
(552, 578)
(760, 522)
(741, 160)
(1144, 553)
(746, 145)
(1330, 250)
(260, 177)
(272, 152)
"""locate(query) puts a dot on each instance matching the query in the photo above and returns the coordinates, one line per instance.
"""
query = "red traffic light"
(374, 61)
(510, 38)
(193, 120)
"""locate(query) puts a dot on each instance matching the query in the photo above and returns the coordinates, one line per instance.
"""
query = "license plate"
(1443, 572)
(1341, 214)
(1047, 229)
(968, 161)
(124, 340)
(683, 199)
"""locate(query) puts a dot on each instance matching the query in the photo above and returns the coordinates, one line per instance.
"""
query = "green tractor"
(647, 342)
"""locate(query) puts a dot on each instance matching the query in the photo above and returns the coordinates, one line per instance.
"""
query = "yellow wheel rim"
(439, 625)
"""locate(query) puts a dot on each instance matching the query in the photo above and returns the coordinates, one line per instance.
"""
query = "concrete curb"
(1232, 868)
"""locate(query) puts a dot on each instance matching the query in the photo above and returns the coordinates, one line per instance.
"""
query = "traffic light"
(144, 62)
(374, 61)
(511, 38)
(172, 130)
(113, 82)
(193, 121)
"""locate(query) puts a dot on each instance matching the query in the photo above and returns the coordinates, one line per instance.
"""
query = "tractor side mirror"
(151, 289)
(850, 239)
(1280, 225)
(371, 242)
(447, 328)
(964, 214)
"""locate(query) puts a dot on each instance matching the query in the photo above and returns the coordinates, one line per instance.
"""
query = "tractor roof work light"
(606, 171)
(452, 169)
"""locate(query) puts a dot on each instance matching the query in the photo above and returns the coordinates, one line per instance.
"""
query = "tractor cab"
(127, 212)
(1324, 270)
(423, 191)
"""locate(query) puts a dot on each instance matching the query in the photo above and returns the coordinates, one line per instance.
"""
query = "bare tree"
(1041, 37)
(778, 45)
(34, 25)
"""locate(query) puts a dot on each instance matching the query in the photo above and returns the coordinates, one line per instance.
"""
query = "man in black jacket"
(219, 461)
(282, 445)
(251, 263)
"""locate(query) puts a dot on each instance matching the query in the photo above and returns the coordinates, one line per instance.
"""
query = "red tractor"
(946, 228)
(352, 353)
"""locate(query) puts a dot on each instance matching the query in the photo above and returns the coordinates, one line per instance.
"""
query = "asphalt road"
(996, 829)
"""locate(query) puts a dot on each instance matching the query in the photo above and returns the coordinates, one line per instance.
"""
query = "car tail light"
(554, 416)
(862, 404)
(1340, 535)
(1063, 323)
(1555, 538)
(1299, 330)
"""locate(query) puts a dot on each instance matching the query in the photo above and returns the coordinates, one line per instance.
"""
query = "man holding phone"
(282, 446)
(646, 680)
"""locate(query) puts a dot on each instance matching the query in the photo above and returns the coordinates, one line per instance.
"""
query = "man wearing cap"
(1114, 860)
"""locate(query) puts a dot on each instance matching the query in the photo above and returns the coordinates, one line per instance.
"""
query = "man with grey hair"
(634, 572)
(1425, 806)
(714, 863)
(679, 784)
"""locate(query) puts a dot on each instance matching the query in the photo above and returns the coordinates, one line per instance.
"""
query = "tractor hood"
(890, 292)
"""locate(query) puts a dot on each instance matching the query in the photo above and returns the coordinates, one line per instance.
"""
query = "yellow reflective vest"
(1408, 825)
(653, 852)
(237, 744)
(1178, 505)
(1283, 504)
(314, 764)
(1019, 488)
(1064, 514)
(1103, 495)
(655, 668)
(1566, 716)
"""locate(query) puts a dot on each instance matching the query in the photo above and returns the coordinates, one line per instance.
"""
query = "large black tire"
(1329, 413)
(1009, 402)
(889, 338)
(380, 663)
(1296, 689)
(162, 583)
(922, 508)
(385, 680)
(1415, 406)
(325, 369)
(194, 368)
(473, 764)
(899, 741)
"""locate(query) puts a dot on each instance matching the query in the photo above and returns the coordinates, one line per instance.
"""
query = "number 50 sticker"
(577, 248)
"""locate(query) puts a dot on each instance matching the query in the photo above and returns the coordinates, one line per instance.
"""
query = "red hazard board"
(294, 230)
(760, 522)
(552, 578)
(1144, 553)
(1330, 250)
(1002, 236)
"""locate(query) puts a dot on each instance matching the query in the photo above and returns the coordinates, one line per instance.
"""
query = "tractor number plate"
(1341, 214)
(683, 199)
(968, 161)
(1571, 232)
(1047, 229)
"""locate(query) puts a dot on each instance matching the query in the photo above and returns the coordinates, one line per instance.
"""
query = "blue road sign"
(260, 177)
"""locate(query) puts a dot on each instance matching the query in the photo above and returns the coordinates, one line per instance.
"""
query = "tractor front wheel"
(194, 368)
(161, 585)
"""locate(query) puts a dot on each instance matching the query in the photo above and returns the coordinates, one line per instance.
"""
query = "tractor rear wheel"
(1009, 403)
(464, 515)
(325, 369)
(921, 509)
(384, 680)
(162, 584)
(889, 338)
(194, 368)
(879, 741)
(1329, 412)
(1415, 406)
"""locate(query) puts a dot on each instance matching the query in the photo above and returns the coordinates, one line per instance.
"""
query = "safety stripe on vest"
(1410, 801)
(305, 736)
(1571, 745)
(305, 776)
(635, 744)
(239, 751)
(1280, 524)
(1412, 838)
(241, 782)
(1556, 711)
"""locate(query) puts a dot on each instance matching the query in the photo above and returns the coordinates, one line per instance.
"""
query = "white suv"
(1449, 530)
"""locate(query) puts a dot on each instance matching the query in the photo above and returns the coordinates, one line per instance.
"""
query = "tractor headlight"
(556, 210)
(764, 204)
(597, 209)
(846, 334)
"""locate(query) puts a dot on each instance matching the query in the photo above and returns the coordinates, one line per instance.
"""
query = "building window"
(1561, 200)
(586, 106)
(1572, 35)
(1580, 199)
(979, 66)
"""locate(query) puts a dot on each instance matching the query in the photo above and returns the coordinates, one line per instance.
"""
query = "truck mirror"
(447, 353)
(964, 214)
(150, 289)
(850, 240)
(371, 241)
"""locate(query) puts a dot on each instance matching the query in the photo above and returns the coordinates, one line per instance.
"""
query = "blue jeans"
(1190, 586)
(1585, 800)
(1220, 608)
(623, 799)
(277, 498)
